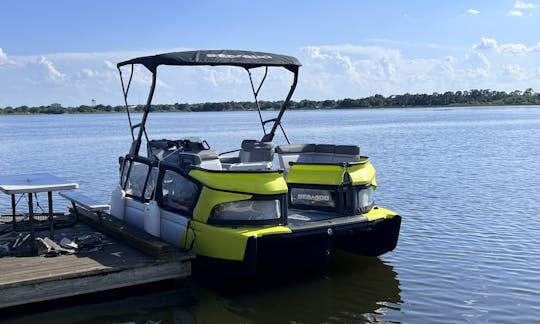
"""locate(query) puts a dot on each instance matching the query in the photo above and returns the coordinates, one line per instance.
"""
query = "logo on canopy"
(246, 56)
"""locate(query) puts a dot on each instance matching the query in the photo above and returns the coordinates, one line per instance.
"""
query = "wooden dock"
(129, 257)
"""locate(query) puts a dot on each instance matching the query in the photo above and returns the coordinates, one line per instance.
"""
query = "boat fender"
(152, 218)
(118, 202)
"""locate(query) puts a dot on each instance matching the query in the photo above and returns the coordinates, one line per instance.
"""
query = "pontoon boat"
(242, 212)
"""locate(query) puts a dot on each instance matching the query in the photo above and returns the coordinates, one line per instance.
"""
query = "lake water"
(465, 180)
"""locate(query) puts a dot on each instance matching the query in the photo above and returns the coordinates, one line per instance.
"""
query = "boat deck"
(25, 280)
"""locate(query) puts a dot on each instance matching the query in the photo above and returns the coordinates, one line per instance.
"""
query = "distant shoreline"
(239, 110)
(470, 98)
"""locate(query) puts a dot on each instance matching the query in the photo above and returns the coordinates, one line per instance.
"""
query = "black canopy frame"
(245, 59)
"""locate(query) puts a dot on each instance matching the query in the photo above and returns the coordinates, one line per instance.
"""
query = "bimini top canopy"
(245, 59)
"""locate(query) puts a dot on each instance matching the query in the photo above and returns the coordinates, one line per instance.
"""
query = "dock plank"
(54, 289)
(116, 228)
(26, 280)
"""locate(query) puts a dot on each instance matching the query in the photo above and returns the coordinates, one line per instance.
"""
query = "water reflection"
(144, 304)
(355, 289)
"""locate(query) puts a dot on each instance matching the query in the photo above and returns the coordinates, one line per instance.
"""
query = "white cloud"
(522, 5)
(3, 57)
(519, 7)
(50, 69)
(486, 43)
(224, 76)
(88, 73)
(514, 71)
(478, 65)
(110, 65)
(341, 71)
(69, 78)
(369, 51)
(506, 49)
(330, 71)
(355, 71)
(359, 66)
(514, 49)
(315, 52)
(472, 12)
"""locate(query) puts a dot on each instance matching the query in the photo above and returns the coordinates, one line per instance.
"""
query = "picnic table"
(30, 184)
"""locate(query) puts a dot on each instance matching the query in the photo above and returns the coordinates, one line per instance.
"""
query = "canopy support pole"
(125, 91)
(256, 94)
(136, 145)
(277, 121)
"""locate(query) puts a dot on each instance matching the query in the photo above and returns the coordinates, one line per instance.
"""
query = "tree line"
(459, 98)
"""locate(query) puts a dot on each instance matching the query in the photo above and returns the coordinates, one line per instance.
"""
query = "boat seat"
(328, 153)
(161, 149)
(300, 153)
(316, 153)
(206, 159)
(253, 156)
(255, 151)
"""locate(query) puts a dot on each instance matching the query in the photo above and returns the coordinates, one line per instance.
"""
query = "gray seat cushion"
(206, 159)
(316, 153)
(186, 159)
(206, 155)
(255, 151)
(347, 149)
(324, 148)
(295, 148)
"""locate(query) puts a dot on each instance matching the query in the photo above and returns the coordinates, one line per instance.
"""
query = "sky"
(66, 51)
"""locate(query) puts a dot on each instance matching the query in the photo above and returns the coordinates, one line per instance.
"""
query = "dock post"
(13, 206)
(31, 220)
(51, 215)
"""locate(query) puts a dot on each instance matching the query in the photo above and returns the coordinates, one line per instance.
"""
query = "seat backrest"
(255, 151)
(206, 159)
(185, 159)
(323, 153)
(328, 153)
(316, 153)
(209, 160)
(346, 153)
(301, 153)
